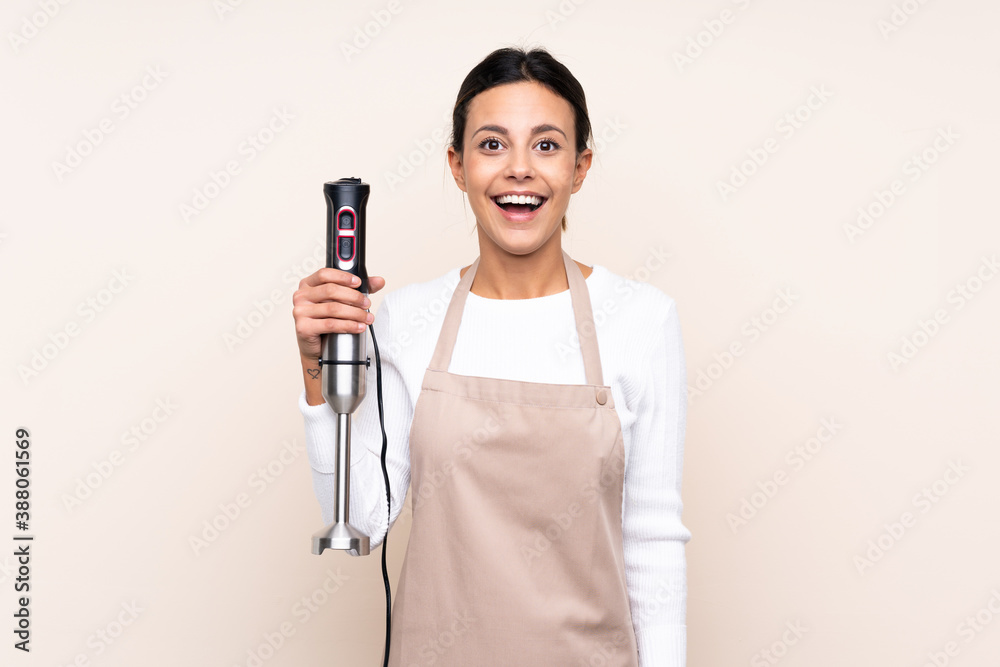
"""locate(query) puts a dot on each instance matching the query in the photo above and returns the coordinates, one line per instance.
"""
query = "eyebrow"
(535, 130)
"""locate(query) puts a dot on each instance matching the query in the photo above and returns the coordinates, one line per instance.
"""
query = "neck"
(502, 275)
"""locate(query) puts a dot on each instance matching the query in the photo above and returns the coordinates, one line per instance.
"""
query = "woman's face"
(519, 138)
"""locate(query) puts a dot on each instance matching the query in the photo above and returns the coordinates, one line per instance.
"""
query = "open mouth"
(519, 204)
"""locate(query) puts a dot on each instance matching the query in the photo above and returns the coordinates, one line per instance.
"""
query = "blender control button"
(346, 249)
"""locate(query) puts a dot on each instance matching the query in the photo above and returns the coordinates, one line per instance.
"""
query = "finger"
(334, 310)
(327, 292)
(325, 326)
(348, 295)
(330, 275)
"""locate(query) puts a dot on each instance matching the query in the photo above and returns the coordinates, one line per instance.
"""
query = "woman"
(546, 504)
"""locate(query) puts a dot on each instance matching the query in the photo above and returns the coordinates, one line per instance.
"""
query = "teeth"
(519, 199)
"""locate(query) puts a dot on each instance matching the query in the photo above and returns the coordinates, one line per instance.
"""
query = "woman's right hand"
(328, 301)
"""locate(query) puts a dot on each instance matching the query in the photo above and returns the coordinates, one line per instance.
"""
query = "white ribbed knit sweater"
(534, 340)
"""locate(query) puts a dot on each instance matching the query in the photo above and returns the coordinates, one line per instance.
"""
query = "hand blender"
(344, 360)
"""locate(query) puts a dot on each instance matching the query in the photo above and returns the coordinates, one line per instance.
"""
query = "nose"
(519, 165)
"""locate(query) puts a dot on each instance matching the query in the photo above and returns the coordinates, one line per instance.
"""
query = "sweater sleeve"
(368, 497)
(654, 535)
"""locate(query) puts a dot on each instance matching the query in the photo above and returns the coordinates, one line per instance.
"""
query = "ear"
(582, 166)
(457, 169)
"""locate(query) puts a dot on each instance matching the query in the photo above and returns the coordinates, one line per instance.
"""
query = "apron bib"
(515, 549)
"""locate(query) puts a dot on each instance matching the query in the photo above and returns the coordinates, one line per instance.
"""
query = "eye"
(490, 140)
(555, 146)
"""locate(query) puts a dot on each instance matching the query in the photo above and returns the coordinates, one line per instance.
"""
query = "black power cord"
(388, 501)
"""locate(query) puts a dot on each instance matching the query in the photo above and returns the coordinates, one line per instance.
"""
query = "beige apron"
(515, 550)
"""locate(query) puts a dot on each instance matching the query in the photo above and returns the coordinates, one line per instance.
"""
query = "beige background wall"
(135, 305)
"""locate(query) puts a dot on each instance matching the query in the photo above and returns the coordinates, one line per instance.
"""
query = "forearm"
(311, 376)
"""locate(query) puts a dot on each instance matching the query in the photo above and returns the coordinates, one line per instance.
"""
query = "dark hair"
(511, 65)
